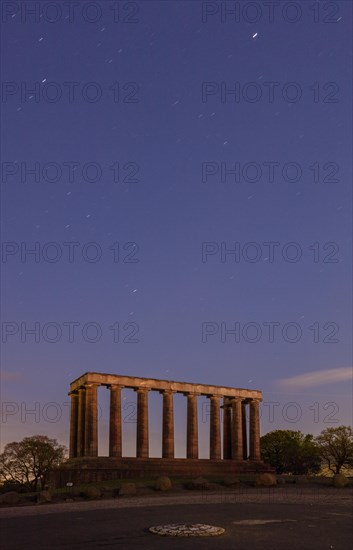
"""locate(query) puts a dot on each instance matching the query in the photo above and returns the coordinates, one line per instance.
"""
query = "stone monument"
(241, 438)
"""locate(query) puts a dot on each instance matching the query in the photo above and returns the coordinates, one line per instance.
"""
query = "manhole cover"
(187, 530)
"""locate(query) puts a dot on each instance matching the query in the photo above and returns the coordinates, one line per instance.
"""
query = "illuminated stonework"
(234, 401)
(187, 530)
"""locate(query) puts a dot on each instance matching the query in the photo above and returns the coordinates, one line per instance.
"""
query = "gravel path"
(291, 495)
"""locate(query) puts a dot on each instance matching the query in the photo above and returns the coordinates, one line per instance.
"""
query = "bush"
(11, 486)
(163, 484)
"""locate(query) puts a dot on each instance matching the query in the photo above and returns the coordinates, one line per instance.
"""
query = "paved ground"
(267, 522)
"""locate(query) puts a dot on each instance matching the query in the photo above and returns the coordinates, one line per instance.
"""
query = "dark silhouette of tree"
(28, 462)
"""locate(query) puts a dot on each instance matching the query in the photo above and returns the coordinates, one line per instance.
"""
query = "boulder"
(231, 482)
(163, 484)
(199, 484)
(301, 480)
(107, 492)
(339, 481)
(280, 480)
(128, 490)
(265, 480)
(43, 497)
(91, 493)
(10, 498)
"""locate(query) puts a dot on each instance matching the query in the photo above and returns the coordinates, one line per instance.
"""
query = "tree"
(29, 461)
(336, 447)
(290, 452)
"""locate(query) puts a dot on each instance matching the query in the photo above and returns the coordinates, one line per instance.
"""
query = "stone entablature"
(234, 401)
(134, 382)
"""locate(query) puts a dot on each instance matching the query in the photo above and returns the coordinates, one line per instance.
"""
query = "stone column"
(142, 423)
(215, 428)
(254, 430)
(192, 439)
(168, 425)
(91, 421)
(81, 422)
(237, 429)
(227, 433)
(73, 424)
(244, 426)
(115, 440)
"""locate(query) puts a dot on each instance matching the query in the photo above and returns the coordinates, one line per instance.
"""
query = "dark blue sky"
(173, 130)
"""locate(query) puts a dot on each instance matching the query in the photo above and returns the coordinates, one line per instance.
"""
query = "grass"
(179, 482)
(111, 486)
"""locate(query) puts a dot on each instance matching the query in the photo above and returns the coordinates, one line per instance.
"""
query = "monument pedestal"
(91, 470)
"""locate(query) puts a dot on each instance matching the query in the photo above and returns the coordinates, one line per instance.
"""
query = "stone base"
(91, 470)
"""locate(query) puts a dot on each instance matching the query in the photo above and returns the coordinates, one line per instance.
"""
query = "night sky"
(143, 144)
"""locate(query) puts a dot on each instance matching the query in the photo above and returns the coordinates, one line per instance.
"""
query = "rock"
(92, 493)
(266, 480)
(107, 491)
(280, 480)
(231, 482)
(163, 484)
(339, 481)
(128, 490)
(43, 497)
(199, 484)
(10, 498)
(301, 480)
